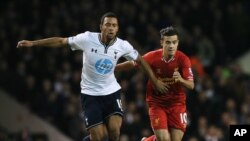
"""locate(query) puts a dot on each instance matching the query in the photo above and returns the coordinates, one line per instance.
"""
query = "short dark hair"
(108, 14)
(168, 31)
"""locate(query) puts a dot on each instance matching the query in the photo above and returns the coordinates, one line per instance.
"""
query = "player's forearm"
(148, 70)
(188, 84)
(51, 42)
(125, 66)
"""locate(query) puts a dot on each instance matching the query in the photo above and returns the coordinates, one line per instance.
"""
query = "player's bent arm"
(48, 42)
(125, 66)
(188, 83)
(146, 68)
(160, 86)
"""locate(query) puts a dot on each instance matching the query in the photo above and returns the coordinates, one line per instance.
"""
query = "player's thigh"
(114, 122)
(162, 135)
(177, 122)
(176, 134)
(158, 118)
(159, 124)
(114, 125)
(98, 132)
(113, 112)
(177, 117)
(92, 111)
(112, 104)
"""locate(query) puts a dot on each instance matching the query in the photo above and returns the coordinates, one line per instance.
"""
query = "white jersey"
(99, 62)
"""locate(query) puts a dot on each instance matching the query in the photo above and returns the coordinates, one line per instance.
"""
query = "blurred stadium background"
(45, 82)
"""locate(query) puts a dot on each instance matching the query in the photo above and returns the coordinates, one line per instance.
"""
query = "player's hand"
(177, 77)
(161, 87)
(24, 43)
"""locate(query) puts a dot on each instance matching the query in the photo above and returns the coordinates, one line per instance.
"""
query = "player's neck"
(106, 41)
(167, 58)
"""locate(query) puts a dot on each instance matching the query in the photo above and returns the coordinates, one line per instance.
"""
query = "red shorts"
(170, 117)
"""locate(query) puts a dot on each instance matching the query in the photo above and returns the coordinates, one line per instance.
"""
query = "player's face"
(169, 45)
(109, 28)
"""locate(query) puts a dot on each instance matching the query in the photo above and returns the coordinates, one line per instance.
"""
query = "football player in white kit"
(100, 91)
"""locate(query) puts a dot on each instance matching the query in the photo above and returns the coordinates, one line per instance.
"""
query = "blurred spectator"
(25, 135)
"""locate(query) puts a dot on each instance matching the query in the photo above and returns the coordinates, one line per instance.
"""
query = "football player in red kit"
(167, 111)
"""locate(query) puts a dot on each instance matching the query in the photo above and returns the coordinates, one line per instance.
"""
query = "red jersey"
(164, 70)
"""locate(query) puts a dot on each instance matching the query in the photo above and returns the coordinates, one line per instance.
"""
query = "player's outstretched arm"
(48, 42)
(125, 66)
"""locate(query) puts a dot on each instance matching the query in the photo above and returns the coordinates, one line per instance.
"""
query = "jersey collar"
(167, 61)
(110, 43)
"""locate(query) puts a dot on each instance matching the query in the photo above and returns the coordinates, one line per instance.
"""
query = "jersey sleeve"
(186, 68)
(131, 53)
(78, 42)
